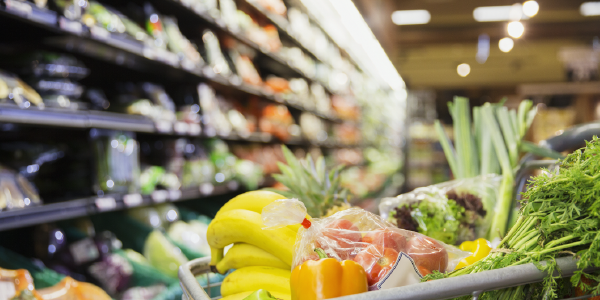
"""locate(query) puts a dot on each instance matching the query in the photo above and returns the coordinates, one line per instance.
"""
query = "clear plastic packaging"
(453, 211)
(391, 256)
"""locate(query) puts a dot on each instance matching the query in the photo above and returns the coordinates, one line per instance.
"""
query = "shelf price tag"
(132, 200)
(206, 188)
(70, 26)
(99, 33)
(164, 126)
(194, 129)
(18, 7)
(180, 127)
(160, 196)
(106, 203)
(174, 195)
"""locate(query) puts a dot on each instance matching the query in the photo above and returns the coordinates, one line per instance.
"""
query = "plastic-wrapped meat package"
(391, 257)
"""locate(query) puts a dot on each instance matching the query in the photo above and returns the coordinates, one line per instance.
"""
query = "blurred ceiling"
(427, 55)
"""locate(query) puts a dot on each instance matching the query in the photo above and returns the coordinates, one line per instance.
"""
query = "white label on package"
(132, 200)
(404, 272)
(7, 290)
(84, 251)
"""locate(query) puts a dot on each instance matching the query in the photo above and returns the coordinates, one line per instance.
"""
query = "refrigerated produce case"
(110, 106)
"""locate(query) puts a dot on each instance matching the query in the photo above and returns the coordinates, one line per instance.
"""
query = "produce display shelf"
(125, 52)
(125, 122)
(70, 209)
(284, 27)
(182, 8)
(465, 285)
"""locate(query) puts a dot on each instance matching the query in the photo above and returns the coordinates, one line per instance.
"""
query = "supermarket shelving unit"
(58, 33)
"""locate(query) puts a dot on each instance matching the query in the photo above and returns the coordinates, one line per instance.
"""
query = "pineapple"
(309, 182)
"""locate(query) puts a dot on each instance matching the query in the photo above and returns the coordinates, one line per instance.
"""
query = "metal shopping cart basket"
(471, 284)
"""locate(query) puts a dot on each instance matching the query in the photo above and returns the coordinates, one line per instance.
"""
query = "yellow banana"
(255, 278)
(240, 225)
(252, 201)
(245, 255)
(243, 295)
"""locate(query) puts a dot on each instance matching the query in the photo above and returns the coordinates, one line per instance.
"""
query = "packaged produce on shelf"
(310, 181)
(348, 156)
(16, 191)
(155, 177)
(117, 162)
(191, 234)
(214, 57)
(180, 45)
(274, 6)
(146, 99)
(276, 120)
(70, 9)
(297, 58)
(266, 37)
(229, 14)
(197, 168)
(203, 6)
(265, 156)
(154, 26)
(313, 128)
(13, 88)
(241, 57)
(162, 255)
(391, 257)
(214, 120)
(452, 212)
(345, 107)
(347, 133)
(321, 99)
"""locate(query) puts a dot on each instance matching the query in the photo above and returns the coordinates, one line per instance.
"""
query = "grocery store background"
(115, 113)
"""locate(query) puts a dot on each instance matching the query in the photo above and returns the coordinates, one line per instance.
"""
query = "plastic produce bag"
(391, 257)
(453, 211)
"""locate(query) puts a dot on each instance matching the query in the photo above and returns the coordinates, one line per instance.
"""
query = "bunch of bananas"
(262, 259)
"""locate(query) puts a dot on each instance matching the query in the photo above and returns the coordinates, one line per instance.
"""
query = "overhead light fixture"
(483, 48)
(530, 8)
(463, 70)
(515, 29)
(588, 9)
(499, 13)
(411, 17)
(506, 44)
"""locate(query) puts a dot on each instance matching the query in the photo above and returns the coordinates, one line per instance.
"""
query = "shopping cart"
(471, 284)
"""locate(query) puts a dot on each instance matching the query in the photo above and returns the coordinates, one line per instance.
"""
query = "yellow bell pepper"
(327, 278)
(480, 249)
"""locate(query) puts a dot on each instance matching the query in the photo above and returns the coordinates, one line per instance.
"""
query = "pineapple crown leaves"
(309, 181)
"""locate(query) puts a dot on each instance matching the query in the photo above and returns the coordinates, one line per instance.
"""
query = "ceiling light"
(506, 44)
(483, 48)
(463, 70)
(515, 29)
(590, 9)
(411, 17)
(530, 8)
(499, 13)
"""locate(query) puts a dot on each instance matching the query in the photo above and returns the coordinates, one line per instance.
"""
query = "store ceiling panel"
(427, 55)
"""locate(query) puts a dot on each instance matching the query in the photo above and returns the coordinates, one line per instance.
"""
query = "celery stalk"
(446, 146)
(505, 194)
